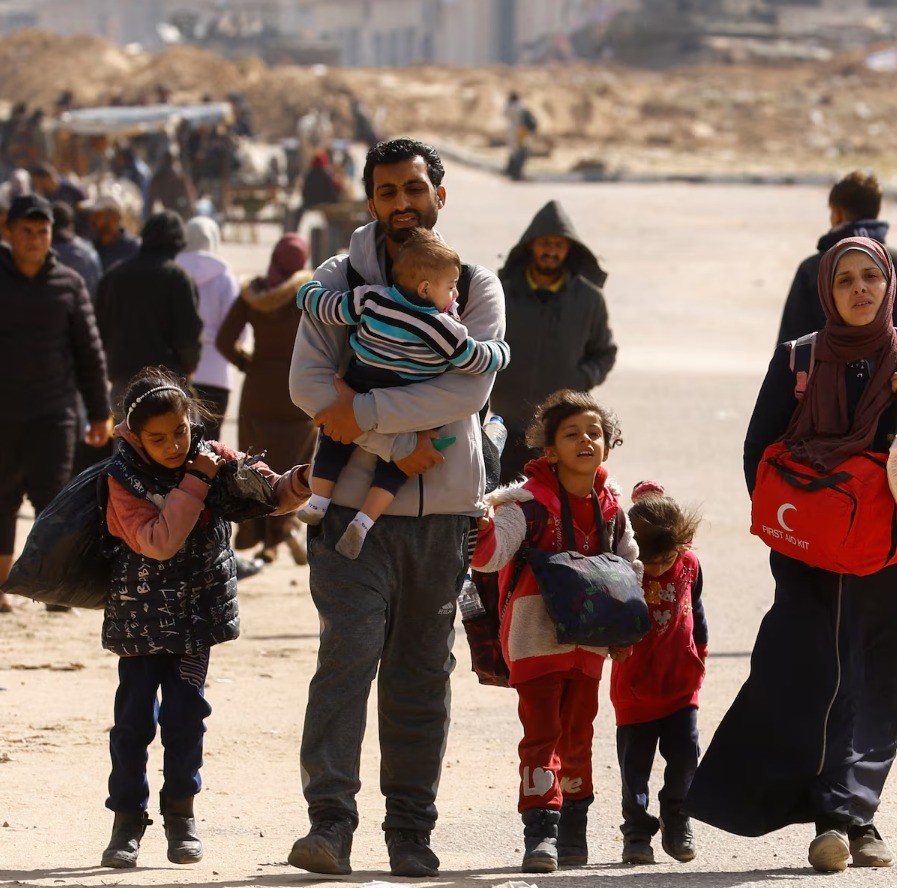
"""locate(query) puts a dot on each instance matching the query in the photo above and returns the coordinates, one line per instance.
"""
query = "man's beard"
(548, 271)
(400, 235)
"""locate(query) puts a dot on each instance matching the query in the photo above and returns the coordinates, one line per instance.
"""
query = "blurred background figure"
(521, 126)
(320, 185)
(147, 309)
(75, 251)
(46, 181)
(218, 290)
(268, 419)
(105, 223)
(171, 188)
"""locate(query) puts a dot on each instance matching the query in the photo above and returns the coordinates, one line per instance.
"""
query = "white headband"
(158, 388)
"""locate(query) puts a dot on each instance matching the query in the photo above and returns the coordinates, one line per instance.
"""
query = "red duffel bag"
(843, 520)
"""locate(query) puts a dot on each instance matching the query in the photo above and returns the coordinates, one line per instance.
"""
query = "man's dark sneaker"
(410, 853)
(325, 849)
(637, 850)
(677, 839)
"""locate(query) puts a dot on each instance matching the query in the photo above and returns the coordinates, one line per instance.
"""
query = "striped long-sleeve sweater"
(410, 338)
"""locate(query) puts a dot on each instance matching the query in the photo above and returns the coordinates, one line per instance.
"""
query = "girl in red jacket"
(655, 690)
(557, 684)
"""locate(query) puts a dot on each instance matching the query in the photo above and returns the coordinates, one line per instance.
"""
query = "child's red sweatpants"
(557, 712)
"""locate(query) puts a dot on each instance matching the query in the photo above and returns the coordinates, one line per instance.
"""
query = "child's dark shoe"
(573, 849)
(184, 845)
(540, 837)
(127, 831)
(677, 839)
(637, 850)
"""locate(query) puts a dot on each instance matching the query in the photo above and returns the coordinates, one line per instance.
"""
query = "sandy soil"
(697, 278)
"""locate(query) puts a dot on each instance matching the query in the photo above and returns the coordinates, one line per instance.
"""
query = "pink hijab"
(289, 256)
(821, 434)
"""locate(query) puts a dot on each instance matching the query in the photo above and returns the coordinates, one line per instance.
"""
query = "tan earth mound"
(810, 117)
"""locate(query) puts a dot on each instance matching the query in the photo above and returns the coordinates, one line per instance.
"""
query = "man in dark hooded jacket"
(557, 326)
(147, 308)
(854, 204)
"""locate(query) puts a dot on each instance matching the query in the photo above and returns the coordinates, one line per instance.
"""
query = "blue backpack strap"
(801, 361)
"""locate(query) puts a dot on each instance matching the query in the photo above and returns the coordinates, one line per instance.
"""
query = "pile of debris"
(814, 116)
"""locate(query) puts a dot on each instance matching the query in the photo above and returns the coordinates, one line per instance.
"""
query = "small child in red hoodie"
(556, 684)
(655, 690)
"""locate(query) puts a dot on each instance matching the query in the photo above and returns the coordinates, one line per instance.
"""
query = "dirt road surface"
(697, 279)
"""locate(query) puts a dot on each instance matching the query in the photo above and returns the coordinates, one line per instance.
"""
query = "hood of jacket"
(202, 267)
(877, 229)
(202, 235)
(552, 219)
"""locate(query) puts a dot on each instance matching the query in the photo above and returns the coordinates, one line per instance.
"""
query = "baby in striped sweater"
(405, 333)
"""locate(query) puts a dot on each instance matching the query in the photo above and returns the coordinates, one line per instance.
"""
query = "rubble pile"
(821, 116)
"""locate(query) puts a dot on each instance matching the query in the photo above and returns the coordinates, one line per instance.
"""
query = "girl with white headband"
(173, 595)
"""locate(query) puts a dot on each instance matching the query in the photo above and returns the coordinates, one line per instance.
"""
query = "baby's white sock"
(314, 510)
(350, 543)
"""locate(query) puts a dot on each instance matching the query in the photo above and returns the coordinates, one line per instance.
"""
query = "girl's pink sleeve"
(156, 533)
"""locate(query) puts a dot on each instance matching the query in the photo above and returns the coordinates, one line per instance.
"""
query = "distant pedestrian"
(48, 182)
(50, 351)
(655, 689)
(171, 188)
(147, 308)
(558, 327)
(74, 251)
(112, 242)
(522, 124)
(218, 290)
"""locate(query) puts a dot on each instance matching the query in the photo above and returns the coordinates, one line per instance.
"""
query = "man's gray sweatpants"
(394, 607)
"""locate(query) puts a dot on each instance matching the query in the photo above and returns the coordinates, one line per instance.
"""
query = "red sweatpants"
(557, 712)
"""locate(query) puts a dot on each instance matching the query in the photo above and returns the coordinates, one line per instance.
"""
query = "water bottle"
(497, 432)
(469, 600)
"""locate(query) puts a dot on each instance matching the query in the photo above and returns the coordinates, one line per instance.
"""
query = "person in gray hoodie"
(558, 328)
(391, 612)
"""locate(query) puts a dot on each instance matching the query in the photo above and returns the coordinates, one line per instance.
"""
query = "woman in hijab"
(812, 734)
(267, 417)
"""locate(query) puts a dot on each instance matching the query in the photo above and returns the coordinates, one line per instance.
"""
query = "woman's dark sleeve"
(775, 406)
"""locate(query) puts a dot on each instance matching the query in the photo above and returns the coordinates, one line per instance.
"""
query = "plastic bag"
(64, 560)
(240, 492)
